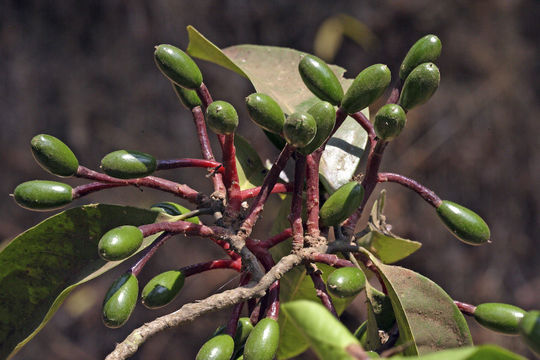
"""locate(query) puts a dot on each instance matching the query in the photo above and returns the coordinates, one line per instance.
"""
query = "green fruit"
(162, 289)
(320, 79)
(43, 195)
(178, 66)
(341, 204)
(360, 332)
(120, 301)
(466, 225)
(419, 86)
(427, 49)
(265, 112)
(187, 97)
(299, 129)
(262, 342)
(529, 329)
(243, 330)
(372, 354)
(120, 242)
(219, 347)
(325, 116)
(346, 282)
(498, 317)
(368, 86)
(221, 118)
(53, 155)
(125, 164)
(389, 121)
(174, 209)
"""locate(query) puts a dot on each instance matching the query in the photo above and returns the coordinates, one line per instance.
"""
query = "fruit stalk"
(206, 98)
(320, 288)
(188, 162)
(206, 148)
(329, 259)
(312, 185)
(420, 189)
(465, 308)
(211, 265)
(237, 310)
(295, 217)
(234, 195)
(276, 239)
(366, 124)
(278, 188)
(268, 184)
(149, 252)
(92, 187)
(184, 227)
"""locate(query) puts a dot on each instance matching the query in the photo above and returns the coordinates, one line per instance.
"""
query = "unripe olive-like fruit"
(389, 121)
(187, 97)
(341, 204)
(372, 354)
(299, 129)
(120, 301)
(262, 342)
(43, 195)
(220, 347)
(419, 86)
(529, 329)
(120, 242)
(125, 164)
(265, 112)
(346, 281)
(427, 49)
(466, 225)
(243, 330)
(53, 155)
(221, 117)
(368, 86)
(499, 317)
(177, 66)
(162, 289)
(174, 209)
(320, 79)
(325, 116)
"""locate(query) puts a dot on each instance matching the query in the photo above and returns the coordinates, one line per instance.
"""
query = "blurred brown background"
(83, 71)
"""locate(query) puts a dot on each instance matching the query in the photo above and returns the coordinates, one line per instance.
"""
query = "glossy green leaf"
(40, 267)
(483, 352)
(427, 317)
(296, 285)
(274, 71)
(248, 164)
(380, 241)
(326, 335)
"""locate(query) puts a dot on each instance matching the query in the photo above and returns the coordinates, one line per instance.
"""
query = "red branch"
(295, 216)
(183, 163)
(320, 289)
(206, 148)
(212, 265)
(180, 190)
(206, 99)
(184, 227)
(149, 252)
(465, 308)
(366, 124)
(330, 259)
(278, 188)
(231, 175)
(420, 189)
(237, 309)
(312, 185)
(268, 184)
(277, 239)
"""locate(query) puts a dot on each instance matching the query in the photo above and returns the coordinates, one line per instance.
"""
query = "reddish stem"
(149, 252)
(183, 163)
(184, 227)
(341, 115)
(206, 99)
(366, 124)
(295, 216)
(212, 265)
(227, 247)
(312, 191)
(180, 190)
(89, 188)
(465, 308)
(320, 289)
(330, 259)
(206, 148)
(237, 310)
(268, 184)
(427, 194)
(277, 239)
(394, 95)
(231, 176)
(369, 182)
(278, 188)
(273, 300)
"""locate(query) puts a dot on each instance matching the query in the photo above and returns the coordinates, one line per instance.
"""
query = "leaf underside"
(41, 266)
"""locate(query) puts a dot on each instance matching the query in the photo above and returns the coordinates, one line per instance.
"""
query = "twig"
(320, 288)
(214, 166)
(278, 188)
(231, 177)
(427, 194)
(312, 192)
(295, 217)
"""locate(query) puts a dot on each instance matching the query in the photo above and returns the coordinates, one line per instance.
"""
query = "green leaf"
(250, 168)
(41, 266)
(380, 316)
(325, 334)
(342, 154)
(296, 285)
(274, 71)
(380, 241)
(427, 317)
(483, 352)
